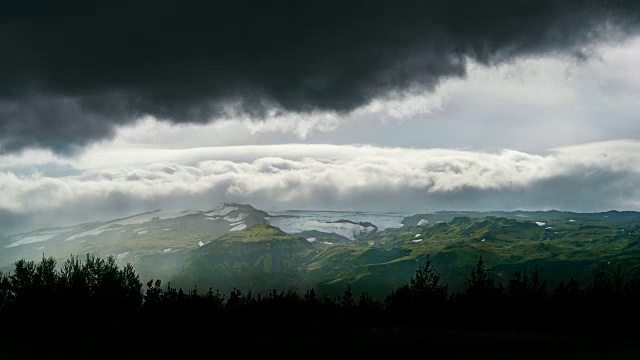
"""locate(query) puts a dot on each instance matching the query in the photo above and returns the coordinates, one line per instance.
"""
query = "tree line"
(96, 302)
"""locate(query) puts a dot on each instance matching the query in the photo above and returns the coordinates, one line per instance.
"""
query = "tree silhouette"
(7, 298)
(106, 303)
(480, 286)
(423, 299)
(525, 292)
(481, 301)
(425, 285)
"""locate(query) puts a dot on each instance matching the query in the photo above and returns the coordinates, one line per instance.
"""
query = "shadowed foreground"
(94, 304)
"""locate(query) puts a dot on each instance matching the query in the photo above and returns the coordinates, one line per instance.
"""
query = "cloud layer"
(589, 177)
(76, 70)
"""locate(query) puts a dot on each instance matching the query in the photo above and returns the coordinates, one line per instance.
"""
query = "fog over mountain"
(108, 110)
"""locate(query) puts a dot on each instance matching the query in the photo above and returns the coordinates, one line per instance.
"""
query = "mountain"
(259, 259)
(609, 217)
(558, 245)
(156, 242)
(561, 245)
(238, 246)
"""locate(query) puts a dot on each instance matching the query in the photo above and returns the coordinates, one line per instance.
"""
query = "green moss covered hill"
(232, 246)
(263, 256)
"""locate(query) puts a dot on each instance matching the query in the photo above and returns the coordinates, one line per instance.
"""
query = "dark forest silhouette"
(96, 303)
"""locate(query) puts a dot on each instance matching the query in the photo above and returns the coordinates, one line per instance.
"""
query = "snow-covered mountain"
(159, 240)
(164, 233)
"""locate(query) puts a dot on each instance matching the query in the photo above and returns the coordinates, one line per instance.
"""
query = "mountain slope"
(156, 242)
(260, 258)
(232, 246)
(560, 248)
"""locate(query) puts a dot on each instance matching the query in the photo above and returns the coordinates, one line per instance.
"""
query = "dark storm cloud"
(72, 71)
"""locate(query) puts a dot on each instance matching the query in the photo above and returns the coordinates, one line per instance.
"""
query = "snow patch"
(540, 223)
(166, 250)
(346, 229)
(122, 255)
(93, 232)
(417, 235)
(416, 240)
(31, 239)
(236, 219)
(221, 210)
(572, 220)
(239, 227)
(200, 243)
(483, 240)
(160, 214)
(312, 239)
(423, 222)
(327, 243)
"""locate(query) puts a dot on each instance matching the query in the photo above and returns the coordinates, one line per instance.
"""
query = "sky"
(108, 109)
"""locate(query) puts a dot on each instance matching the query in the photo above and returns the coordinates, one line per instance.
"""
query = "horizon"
(272, 212)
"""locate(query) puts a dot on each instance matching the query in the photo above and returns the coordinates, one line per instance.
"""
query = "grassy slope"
(156, 247)
(568, 249)
(259, 258)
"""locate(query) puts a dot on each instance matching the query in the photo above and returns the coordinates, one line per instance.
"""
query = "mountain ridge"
(233, 245)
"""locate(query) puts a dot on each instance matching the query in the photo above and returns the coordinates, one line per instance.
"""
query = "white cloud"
(303, 174)
(301, 125)
(31, 158)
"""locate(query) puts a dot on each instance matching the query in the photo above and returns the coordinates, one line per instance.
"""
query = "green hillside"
(258, 259)
(565, 249)
(232, 246)
(263, 256)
